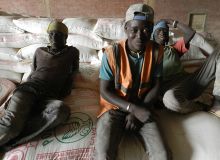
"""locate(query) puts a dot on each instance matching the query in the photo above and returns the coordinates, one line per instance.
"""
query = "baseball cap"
(57, 26)
(144, 9)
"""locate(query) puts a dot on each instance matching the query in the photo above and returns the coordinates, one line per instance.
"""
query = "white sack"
(21, 40)
(82, 26)
(33, 25)
(28, 51)
(10, 75)
(87, 54)
(20, 67)
(110, 28)
(76, 40)
(88, 77)
(9, 54)
(7, 25)
(193, 136)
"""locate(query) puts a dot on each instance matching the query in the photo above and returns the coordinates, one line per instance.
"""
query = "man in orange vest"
(130, 77)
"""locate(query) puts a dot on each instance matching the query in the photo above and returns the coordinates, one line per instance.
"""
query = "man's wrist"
(175, 24)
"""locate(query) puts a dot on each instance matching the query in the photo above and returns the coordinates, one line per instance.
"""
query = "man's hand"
(140, 112)
(168, 21)
(132, 123)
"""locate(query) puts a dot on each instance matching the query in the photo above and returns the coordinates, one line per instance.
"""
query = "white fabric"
(82, 26)
(33, 25)
(110, 28)
(9, 54)
(7, 26)
(21, 40)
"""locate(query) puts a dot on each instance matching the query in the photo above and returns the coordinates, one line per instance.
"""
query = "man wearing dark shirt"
(36, 104)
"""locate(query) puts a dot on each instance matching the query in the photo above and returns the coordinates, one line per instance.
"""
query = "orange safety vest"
(119, 64)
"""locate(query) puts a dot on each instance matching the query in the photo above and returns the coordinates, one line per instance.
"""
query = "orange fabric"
(105, 106)
(125, 73)
(146, 72)
(125, 78)
(111, 59)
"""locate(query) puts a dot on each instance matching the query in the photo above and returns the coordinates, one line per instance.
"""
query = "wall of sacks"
(21, 36)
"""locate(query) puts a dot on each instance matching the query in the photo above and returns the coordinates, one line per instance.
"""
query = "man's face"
(57, 39)
(138, 33)
(161, 36)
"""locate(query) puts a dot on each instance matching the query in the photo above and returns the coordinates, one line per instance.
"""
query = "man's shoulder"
(72, 49)
(42, 49)
(114, 47)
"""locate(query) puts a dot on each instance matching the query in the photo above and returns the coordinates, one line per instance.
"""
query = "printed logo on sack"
(77, 128)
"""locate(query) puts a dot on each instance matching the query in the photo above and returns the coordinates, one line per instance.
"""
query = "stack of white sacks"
(21, 36)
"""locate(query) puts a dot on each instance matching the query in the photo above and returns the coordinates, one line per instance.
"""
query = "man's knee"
(108, 135)
(15, 115)
(57, 110)
(172, 102)
(56, 107)
(21, 102)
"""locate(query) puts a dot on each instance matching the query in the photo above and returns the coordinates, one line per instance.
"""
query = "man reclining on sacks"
(36, 104)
